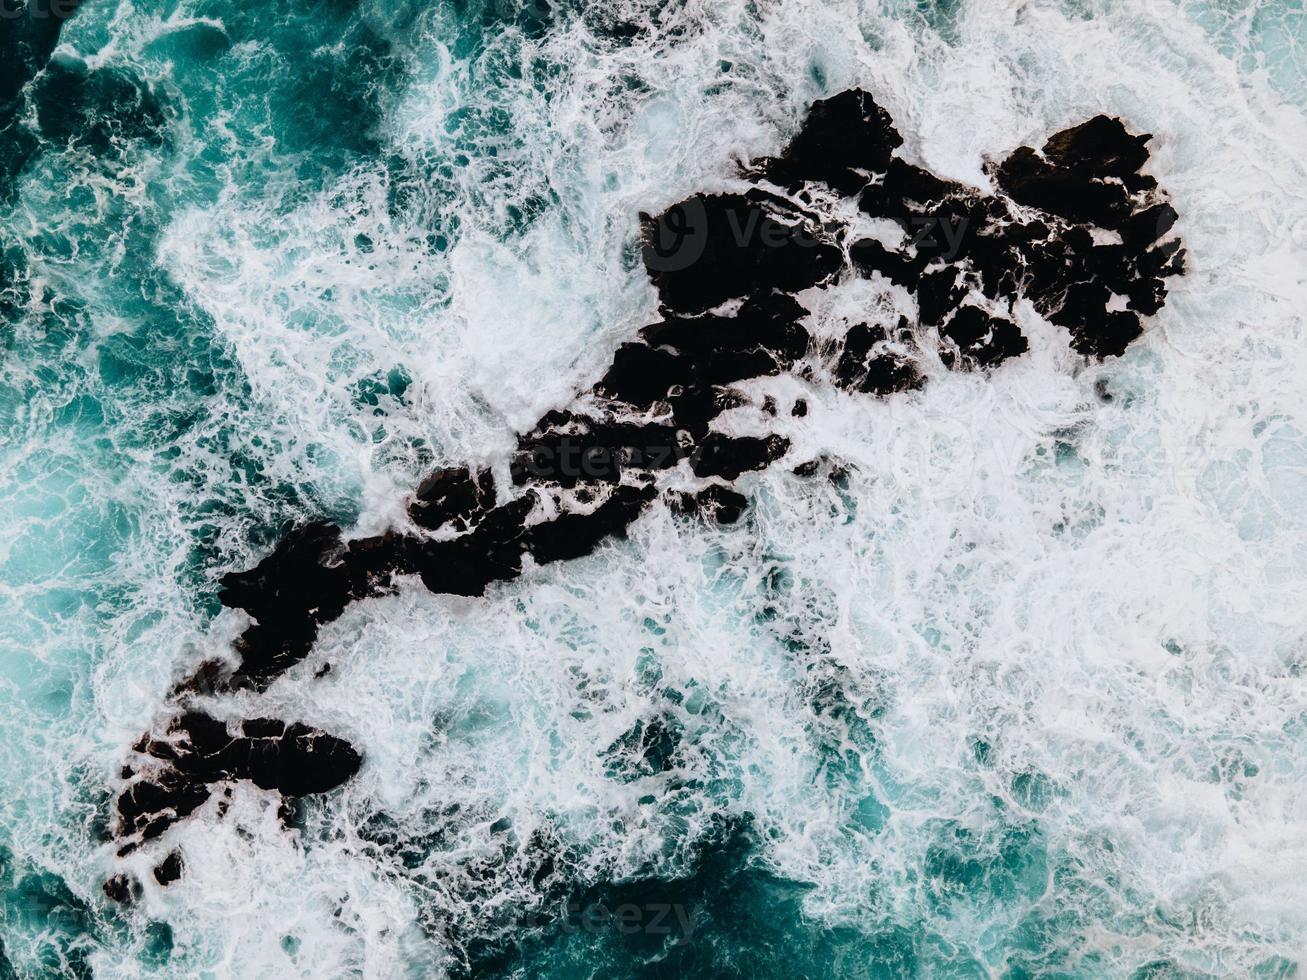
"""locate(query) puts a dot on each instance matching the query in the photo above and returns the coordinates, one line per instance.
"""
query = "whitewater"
(1021, 691)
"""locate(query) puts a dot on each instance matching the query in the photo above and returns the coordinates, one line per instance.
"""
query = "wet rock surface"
(169, 870)
(1075, 229)
(172, 775)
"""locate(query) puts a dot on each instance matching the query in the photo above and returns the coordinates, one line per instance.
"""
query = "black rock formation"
(169, 870)
(1075, 229)
(173, 774)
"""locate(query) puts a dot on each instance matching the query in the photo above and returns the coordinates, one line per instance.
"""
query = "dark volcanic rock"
(1033, 181)
(169, 870)
(454, 496)
(198, 751)
(870, 364)
(957, 241)
(983, 339)
(842, 139)
(722, 503)
(641, 375)
(713, 248)
(308, 580)
(1099, 148)
(728, 457)
(122, 889)
(568, 449)
(907, 185)
(766, 321)
(1080, 174)
(716, 501)
(938, 294)
(303, 577)
(1076, 230)
(869, 255)
(575, 535)
(492, 552)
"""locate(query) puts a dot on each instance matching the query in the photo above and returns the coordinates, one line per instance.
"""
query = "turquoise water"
(1029, 706)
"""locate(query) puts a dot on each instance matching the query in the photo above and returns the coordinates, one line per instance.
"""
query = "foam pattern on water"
(1019, 693)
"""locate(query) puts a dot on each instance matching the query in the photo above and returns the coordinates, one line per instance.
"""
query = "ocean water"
(1023, 694)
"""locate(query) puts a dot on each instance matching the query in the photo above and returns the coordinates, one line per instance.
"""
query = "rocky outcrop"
(1074, 228)
(172, 775)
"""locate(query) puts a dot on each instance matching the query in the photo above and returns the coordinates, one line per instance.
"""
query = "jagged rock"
(728, 457)
(199, 750)
(642, 375)
(1101, 147)
(712, 248)
(938, 294)
(868, 365)
(723, 503)
(842, 139)
(575, 535)
(769, 322)
(454, 496)
(492, 552)
(906, 191)
(169, 870)
(981, 338)
(1072, 177)
(123, 889)
(715, 501)
(869, 255)
(301, 577)
(573, 449)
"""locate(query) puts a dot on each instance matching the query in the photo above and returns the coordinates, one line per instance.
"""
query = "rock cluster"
(1074, 228)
